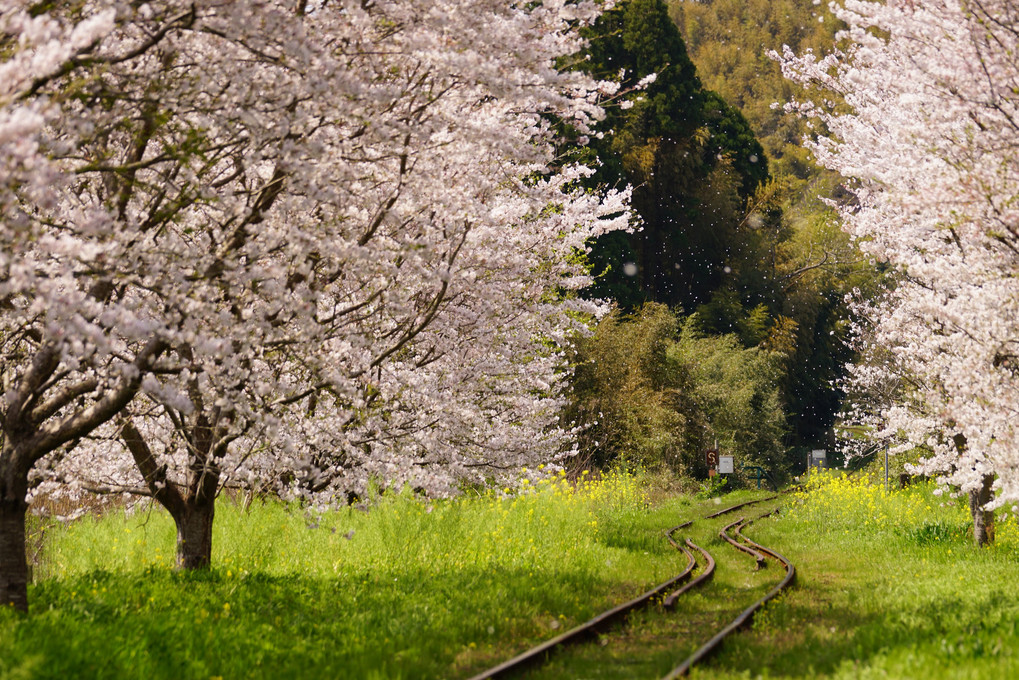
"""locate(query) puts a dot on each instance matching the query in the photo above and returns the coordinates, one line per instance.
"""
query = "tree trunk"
(983, 521)
(13, 556)
(194, 535)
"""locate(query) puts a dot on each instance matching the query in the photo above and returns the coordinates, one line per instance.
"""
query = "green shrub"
(737, 390)
(654, 392)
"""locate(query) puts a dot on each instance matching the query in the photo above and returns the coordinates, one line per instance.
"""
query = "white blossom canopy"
(928, 133)
(247, 206)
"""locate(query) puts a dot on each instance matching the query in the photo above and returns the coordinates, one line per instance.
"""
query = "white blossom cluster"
(928, 134)
(292, 245)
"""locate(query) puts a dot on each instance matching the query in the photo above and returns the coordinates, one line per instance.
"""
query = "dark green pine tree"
(692, 160)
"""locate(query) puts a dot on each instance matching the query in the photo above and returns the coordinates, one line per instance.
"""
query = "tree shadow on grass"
(393, 623)
(815, 632)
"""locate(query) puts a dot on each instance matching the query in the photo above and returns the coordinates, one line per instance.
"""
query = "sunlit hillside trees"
(718, 237)
(729, 41)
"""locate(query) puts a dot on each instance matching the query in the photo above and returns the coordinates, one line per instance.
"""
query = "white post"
(886, 468)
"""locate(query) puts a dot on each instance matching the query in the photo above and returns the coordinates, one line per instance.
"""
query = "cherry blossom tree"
(928, 138)
(63, 375)
(227, 225)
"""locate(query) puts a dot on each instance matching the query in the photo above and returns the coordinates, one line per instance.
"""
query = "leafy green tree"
(692, 159)
(754, 257)
(738, 392)
(820, 267)
(655, 391)
(635, 405)
(803, 266)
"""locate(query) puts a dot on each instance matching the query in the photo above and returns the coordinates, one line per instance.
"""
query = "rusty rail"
(724, 534)
(745, 617)
(709, 572)
(589, 628)
(738, 506)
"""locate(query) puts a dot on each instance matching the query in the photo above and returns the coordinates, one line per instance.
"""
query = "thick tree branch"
(160, 488)
(61, 399)
(51, 435)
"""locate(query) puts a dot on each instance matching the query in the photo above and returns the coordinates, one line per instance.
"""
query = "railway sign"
(819, 459)
(711, 456)
(725, 465)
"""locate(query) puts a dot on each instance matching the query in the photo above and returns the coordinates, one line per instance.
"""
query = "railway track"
(668, 593)
(746, 616)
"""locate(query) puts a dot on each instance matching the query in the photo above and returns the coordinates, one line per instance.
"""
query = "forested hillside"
(729, 41)
(733, 237)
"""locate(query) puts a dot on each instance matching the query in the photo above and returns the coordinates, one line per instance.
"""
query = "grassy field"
(888, 586)
(406, 589)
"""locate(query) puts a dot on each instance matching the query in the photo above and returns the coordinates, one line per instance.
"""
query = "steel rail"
(724, 534)
(768, 551)
(743, 618)
(709, 572)
(589, 628)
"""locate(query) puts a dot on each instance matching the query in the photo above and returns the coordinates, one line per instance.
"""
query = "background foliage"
(736, 239)
(659, 391)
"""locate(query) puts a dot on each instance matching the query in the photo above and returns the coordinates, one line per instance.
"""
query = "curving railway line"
(760, 554)
(668, 594)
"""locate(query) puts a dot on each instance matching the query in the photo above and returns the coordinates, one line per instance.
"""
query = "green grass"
(888, 586)
(409, 588)
(654, 642)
